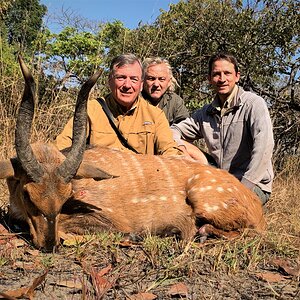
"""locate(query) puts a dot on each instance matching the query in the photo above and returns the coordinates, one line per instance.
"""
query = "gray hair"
(157, 61)
(123, 60)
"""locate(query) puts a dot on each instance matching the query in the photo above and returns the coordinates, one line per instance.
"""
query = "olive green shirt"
(144, 126)
(172, 105)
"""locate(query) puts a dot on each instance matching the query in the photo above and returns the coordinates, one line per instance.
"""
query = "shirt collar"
(229, 104)
(116, 108)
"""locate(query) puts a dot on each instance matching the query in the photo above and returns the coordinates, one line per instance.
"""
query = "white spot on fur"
(109, 209)
(220, 189)
(182, 192)
(135, 200)
(207, 171)
(209, 208)
(190, 180)
(144, 200)
(213, 180)
(152, 198)
(196, 176)
(138, 167)
(168, 172)
(193, 189)
(230, 190)
(163, 198)
(174, 198)
(205, 188)
(225, 205)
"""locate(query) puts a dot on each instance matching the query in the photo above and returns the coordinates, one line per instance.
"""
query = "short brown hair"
(222, 56)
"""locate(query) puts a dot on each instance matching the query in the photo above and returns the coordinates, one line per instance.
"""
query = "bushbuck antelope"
(104, 189)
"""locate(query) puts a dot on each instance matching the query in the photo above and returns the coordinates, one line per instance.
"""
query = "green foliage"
(114, 36)
(74, 53)
(193, 30)
(23, 20)
(264, 36)
(4, 6)
(8, 64)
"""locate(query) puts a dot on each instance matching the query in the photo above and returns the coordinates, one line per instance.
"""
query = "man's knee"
(262, 195)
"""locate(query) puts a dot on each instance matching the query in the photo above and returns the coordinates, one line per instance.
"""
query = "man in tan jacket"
(143, 125)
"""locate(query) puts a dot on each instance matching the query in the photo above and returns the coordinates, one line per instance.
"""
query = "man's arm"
(64, 139)
(260, 125)
(164, 142)
(188, 129)
(180, 111)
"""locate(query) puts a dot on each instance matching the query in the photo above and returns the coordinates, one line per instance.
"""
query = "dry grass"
(153, 265)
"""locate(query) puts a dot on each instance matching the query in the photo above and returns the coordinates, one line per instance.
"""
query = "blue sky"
(130, 12)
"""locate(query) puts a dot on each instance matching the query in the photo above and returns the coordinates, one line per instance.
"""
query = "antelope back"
(152, 192)
(147, 194)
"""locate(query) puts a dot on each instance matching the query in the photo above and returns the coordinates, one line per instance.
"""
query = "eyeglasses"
(123, 78)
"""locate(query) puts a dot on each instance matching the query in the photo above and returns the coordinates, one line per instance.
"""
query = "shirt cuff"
(250, 185)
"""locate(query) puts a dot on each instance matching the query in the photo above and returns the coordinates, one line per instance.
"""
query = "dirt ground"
(107, 267)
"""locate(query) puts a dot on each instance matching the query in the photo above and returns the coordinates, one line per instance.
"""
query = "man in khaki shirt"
(143, 125)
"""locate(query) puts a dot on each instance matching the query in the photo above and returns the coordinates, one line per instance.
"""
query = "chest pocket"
(104, 138)
(142, 139)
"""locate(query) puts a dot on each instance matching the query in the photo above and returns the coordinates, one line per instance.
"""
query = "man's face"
(157, 81)
(126, 83)
(223, 78)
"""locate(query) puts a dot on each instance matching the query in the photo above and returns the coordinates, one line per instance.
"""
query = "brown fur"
(147, 194)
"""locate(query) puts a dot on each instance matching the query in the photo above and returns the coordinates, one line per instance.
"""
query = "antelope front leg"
(209, 230)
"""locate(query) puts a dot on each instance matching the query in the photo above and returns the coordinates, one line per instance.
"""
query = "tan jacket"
(144, 126)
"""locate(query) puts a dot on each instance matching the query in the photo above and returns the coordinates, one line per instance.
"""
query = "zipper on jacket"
(221, 142)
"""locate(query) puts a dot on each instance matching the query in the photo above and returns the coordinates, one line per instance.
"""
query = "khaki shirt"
(144, 126)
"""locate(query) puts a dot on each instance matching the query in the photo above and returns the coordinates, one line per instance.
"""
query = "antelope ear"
(10, 168)
(86, 170)
(6, 169)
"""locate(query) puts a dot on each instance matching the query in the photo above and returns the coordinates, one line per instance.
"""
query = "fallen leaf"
(104, 270)
(72, 284)
(34, 252)
(285, 266)
(72, 239)
(270, 277)
(37, 281)
(100, 284)
(126, 244)
(24, 292)
(178, 289)
(142, 296)
(27, 266)
(14, 294)
(18, 243)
